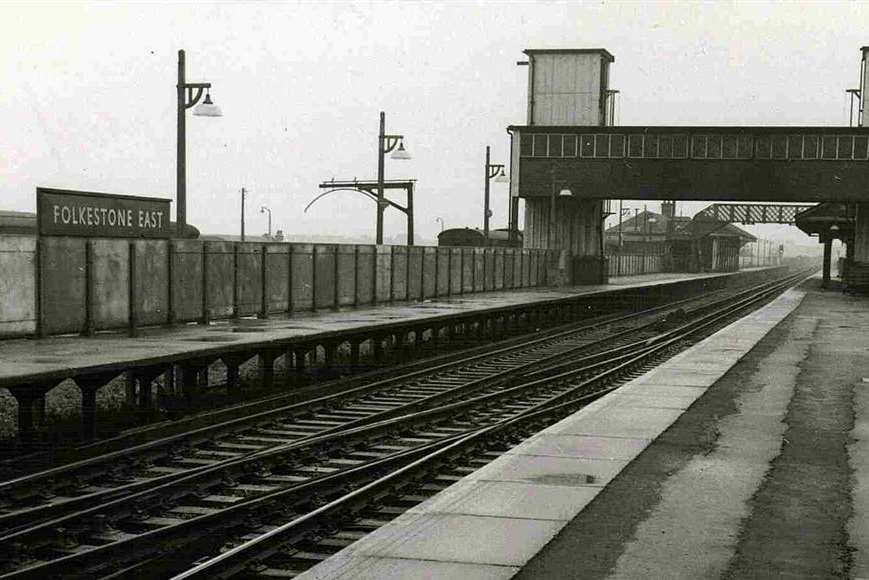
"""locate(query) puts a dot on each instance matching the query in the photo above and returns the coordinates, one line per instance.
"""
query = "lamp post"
(243, 194)
(441, 220)
(188, 95)
(386, 144)
(495, 171)
(264, 209)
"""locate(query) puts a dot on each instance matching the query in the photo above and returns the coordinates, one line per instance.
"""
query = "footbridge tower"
(566, 88)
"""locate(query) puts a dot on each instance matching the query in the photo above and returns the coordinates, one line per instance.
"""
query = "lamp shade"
(207, 109)
(401, 152)
(501, 177)
(565, 192)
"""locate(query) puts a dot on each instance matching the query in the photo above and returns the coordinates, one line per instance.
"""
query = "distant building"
(474, 237)
(686, 244)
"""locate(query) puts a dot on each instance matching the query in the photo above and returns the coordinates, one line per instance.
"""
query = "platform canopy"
(802, 164)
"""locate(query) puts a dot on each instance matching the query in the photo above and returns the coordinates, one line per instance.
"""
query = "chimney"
(668, 209)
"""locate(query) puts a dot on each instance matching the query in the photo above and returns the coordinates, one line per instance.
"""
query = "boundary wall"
(66, 285)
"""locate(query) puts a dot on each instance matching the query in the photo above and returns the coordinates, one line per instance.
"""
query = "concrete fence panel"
(534, 264)
(220, 278)
(346, 275)
(63, 265)
(277, 281)
(365, 274)
(429, 271)
(399, 272)
(497, 269)
(324, 276)
(151, 282)
(384, 273)
(526, 268)
(444, 270)
(249, 272)
(455, 264)
(467, 261)
(186, 280)
(302, 276)
(110, 283)
(479, 261)
(17, 285)
(415, 258)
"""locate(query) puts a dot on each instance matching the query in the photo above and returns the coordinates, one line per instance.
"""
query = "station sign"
(61, 212)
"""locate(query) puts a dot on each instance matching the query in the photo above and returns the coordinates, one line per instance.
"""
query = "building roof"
(649, 223)
(601, 51)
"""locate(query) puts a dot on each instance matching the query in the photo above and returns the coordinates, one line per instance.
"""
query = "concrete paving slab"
(581, 446)
(546, 470)
(370, 568)
(460, 538)
(621, 422)
(510, 500)
(654, 390)
(675, 378)
(658, 401)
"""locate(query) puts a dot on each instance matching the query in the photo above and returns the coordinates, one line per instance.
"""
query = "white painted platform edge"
(627, 421)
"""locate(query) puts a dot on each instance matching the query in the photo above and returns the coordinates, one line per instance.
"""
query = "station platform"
(28, 361)
(746, 456)
(32, 369)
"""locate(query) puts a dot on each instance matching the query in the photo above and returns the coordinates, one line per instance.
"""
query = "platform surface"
(746, 456)
(31, 360)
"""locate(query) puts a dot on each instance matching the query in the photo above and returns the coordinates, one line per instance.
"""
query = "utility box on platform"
(590, 270)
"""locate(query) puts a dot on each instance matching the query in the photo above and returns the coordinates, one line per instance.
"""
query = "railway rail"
(53, 492)
(243, 495)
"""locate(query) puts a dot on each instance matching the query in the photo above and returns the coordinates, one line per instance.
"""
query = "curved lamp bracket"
(367, 194)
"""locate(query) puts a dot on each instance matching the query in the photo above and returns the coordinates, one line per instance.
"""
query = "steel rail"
(642, 345)
(146, 452)
(240, 558)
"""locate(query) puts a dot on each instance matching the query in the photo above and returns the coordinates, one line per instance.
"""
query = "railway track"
(51, 493)
(194, 509)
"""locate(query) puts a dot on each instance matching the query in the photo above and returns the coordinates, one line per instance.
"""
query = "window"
(601, 145)
(680, 146)
(746, 147)
(650, 148)
(541, 145)
(779, 147)
(665, 146)
(555, 147)
(698, 146)
(635, 146)
(846, 147)
(526, 144)
(795, 146)
(617, 146)
(763, 147)
(569, 145)
(731, 146)
(810, 147)
(861, 144)
(828, 147)
(587, 145)
(713, 147)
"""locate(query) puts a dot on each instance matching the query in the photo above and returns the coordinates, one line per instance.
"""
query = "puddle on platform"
(566, 479)
(217, 338)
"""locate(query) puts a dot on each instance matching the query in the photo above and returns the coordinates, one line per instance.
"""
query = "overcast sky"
(87, 93)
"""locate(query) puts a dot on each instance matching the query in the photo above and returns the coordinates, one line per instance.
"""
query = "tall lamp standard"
(495, 171)
(264, 209)
(386, 144)
(188, 95)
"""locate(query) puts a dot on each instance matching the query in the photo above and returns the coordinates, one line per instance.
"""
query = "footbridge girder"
(766, 164)
(753, 213)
